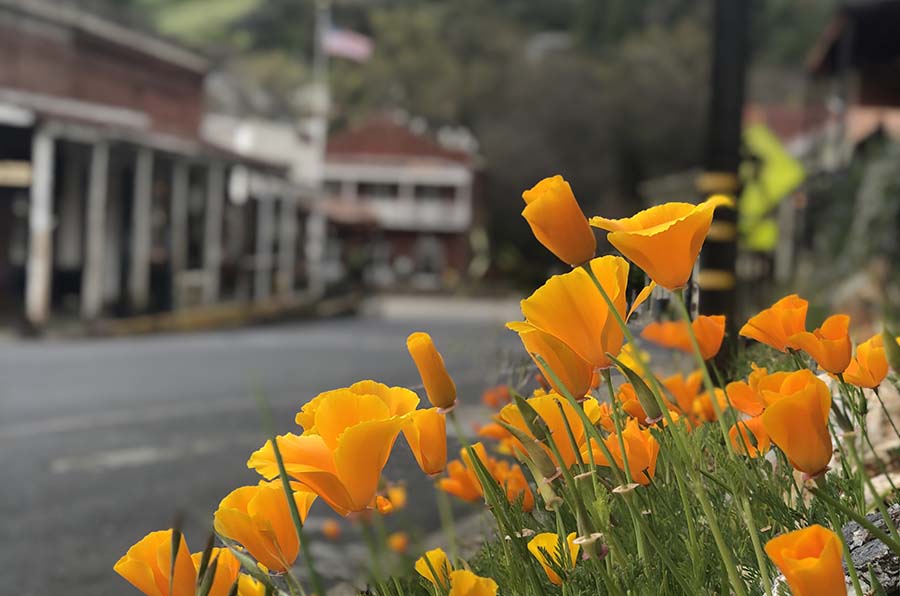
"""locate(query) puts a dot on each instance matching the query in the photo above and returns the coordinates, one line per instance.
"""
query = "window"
(371, 190)
(435, 192)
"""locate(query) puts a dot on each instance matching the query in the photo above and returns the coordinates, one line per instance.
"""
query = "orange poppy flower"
(426, 434)
(147, 566)
(710, 331)
(704, 408)
(558, 222)
(641, 449)
(439, 386)
(870, 366)
(259, 518)
(342, 463)
(664, 240)
(331, 529)
(829, 345)
(462, 482)
(570, 308)
(811, 561)
(227, 570)
(685, 390)
(796, 419)
(548, 550)
(398, 542)
(547, 409)
(573, 372)
(753, 440)
(496, 397)
(775, 325)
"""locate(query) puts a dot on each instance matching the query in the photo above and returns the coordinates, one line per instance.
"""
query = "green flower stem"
(608, 581)
(834, 509)
(879, 503)
(757, 546)
(737, 583)
(884, 409)
(689, 519)
(269, 427)
(445, 511)
(837, 506)
(497, 503)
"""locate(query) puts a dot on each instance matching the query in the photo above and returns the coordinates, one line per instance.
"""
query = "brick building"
(419, 194)
(111, 201)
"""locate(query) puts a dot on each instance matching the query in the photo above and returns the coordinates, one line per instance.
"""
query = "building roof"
(787, 121)
(66, 14)
(384, 138)
(868, 26)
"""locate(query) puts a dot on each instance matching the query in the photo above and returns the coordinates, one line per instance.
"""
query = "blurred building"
(418, 194)
(112, 201)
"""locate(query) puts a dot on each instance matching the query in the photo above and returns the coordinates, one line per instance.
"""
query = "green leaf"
(644, 395)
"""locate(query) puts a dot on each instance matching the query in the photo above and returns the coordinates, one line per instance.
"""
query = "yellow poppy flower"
(775, 325)
(439, 562)
(227, 569)
(250, 586)
(466, 583)
(829, 345)
(439, 387)
(547, 549)
(870, 366)
(426, 435)
(664, 240)
(570, 308)
(547, 409)
(399, 401)
(811, 561)
(710, 331)
(342, 463)
(147, 565)
(574, 373)
(259, 518)
(558, 222)
(796, 419)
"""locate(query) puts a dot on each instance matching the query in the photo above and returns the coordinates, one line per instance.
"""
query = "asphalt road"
(102, 441)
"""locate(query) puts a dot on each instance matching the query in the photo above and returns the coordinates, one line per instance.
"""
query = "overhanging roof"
(870, 27)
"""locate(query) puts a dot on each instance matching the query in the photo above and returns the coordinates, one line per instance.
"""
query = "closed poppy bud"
(571, 373)
(147, 565)
(426, 434)
(810, 560)
(558, 222)
(439, 387)
(547, 549)
(870, 366)
(259, 518)
(796, 420)
(398, 542)
(775, 325)
(466, 583)
(437, 560)
(664, 240)
(709, 330)
(829, 345)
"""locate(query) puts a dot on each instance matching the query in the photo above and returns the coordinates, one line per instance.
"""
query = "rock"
(867, 552)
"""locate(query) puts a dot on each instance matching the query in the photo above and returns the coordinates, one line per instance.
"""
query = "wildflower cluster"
(675, 485)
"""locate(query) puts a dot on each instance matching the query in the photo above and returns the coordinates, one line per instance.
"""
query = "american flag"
(351, 45)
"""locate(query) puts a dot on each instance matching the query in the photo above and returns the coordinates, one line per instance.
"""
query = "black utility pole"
(716, 277)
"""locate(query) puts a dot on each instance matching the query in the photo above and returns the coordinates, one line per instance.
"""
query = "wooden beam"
(139, 270)
(40, 245)
(95, 233)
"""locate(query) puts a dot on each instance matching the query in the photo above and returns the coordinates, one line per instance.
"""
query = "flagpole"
(317, 228)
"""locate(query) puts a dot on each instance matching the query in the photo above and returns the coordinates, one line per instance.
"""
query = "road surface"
(102, 441)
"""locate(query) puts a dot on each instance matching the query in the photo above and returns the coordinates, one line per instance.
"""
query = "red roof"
(384, 138)
(787, 121)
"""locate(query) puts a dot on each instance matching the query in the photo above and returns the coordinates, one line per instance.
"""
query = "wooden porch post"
(178, 238)
(139, 270)
(265, 233)
(95, 233)
(40, 244)
(212, 253)
(287, 246)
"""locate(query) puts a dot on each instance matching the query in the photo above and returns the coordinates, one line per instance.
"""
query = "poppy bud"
(439, 386)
